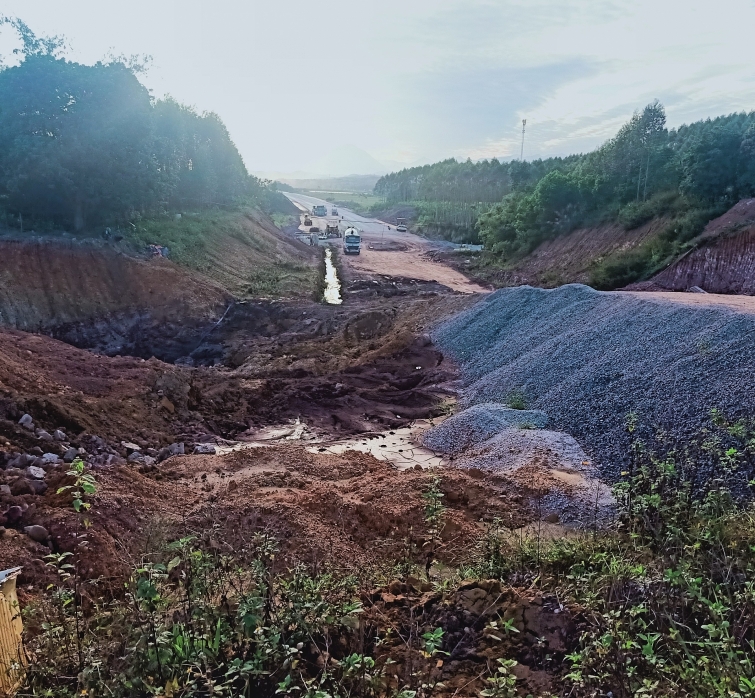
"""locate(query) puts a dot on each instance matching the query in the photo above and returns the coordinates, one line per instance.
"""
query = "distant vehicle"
(331, 228)
(323, 235)
(307, 220)
(352, 241)
(401, 225)
(314, 229)
(319, 210)
(334, 212)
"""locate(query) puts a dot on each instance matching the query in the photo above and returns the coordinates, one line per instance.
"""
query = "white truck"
(352, 241)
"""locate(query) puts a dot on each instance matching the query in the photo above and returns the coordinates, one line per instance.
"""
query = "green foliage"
(667, 598)
(84, 485)
(643, 173)
(86, 146)
(435, 513)
(516, 400)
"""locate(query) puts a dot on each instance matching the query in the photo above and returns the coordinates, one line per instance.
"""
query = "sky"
(313, 85)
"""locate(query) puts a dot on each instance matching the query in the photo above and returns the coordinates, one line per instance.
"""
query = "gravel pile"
(477, 424)
(588, 358)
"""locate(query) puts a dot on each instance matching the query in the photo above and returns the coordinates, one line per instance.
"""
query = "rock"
(136, 457)
(34, 472)
(13, 515)
(26, 422)
(232, 486)
(176, 449)
(38, 486)
(168, 405)
(70, 455)
(21, 461)
(130, 447)
(58, 435)
(51, 458)
(37, 533)
(36, 451)
(44, 435)
(149, 461)
(20, 486)
(205, 448)
(4, 489)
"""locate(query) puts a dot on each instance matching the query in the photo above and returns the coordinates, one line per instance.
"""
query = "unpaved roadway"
(410, 257)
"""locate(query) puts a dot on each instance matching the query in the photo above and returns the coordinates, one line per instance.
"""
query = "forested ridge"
(86, 146)
(689, 174)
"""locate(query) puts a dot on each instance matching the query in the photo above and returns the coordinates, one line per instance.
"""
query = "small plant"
(516, 400)
(435, 512)
(84, 485)
(433, 642)
(503, 682)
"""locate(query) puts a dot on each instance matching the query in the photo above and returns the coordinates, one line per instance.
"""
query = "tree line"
(644, 171)
(83, 146)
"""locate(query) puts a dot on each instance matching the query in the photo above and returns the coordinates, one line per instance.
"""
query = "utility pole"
(521, 155)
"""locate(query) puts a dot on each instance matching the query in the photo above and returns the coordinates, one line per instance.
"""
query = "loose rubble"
(589, 358)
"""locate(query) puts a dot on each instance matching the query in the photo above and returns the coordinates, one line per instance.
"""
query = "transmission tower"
(521, 155)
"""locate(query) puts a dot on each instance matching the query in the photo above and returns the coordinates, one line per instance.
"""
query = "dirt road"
(390, 253)
(741, 304)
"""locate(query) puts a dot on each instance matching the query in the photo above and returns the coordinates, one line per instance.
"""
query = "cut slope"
(722, 262)
(589, 358)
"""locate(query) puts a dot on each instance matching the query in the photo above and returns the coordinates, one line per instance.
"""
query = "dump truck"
(331, 227)
(319, 210)
(352, 241)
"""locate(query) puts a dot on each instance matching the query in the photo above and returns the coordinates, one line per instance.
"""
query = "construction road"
(403, 254)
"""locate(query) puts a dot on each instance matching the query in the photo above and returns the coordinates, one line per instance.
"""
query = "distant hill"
(352, 183)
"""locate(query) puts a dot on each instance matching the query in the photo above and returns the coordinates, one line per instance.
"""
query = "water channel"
(332, 284)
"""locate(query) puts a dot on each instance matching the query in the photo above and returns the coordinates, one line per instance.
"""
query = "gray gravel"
(588, 358)
(477, 424)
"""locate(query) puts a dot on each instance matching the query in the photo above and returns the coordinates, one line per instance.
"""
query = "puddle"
(332, 284)
(398, 446)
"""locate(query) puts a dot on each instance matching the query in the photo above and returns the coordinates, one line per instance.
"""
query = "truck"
(401, 225)
(352, 241)
(319, 210)
(331, 228)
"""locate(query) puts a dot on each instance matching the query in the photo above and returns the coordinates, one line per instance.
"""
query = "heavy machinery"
(319, 210)
(401, 225)
(331, 228)
(352, 241)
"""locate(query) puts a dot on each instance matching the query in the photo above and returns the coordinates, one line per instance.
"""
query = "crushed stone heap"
(588, 358)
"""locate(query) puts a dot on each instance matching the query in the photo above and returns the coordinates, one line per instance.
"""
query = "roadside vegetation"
(687, 176)
(84, 148)
(661, 603)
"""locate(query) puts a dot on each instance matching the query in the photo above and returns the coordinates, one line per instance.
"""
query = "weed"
(84, 485)
(435, 512)
(516, 400)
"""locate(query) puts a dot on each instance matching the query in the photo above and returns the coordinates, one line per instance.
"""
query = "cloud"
(420, 80)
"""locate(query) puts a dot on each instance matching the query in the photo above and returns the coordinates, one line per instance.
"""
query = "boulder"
(44, 435)
(4, 489)
(13, 515)
(37, 533)
(70, 455)
(26, 422)
(130, 447)
(205, 448)
(58, 435)
(38, 486)
(51, 458)
(176, 449)
(34, 472)
(21, 460)
(136, 457)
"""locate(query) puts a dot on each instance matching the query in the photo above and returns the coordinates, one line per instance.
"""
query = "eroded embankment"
(589, 358)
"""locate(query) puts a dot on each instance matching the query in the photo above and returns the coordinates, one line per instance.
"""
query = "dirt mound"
(350, 510)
